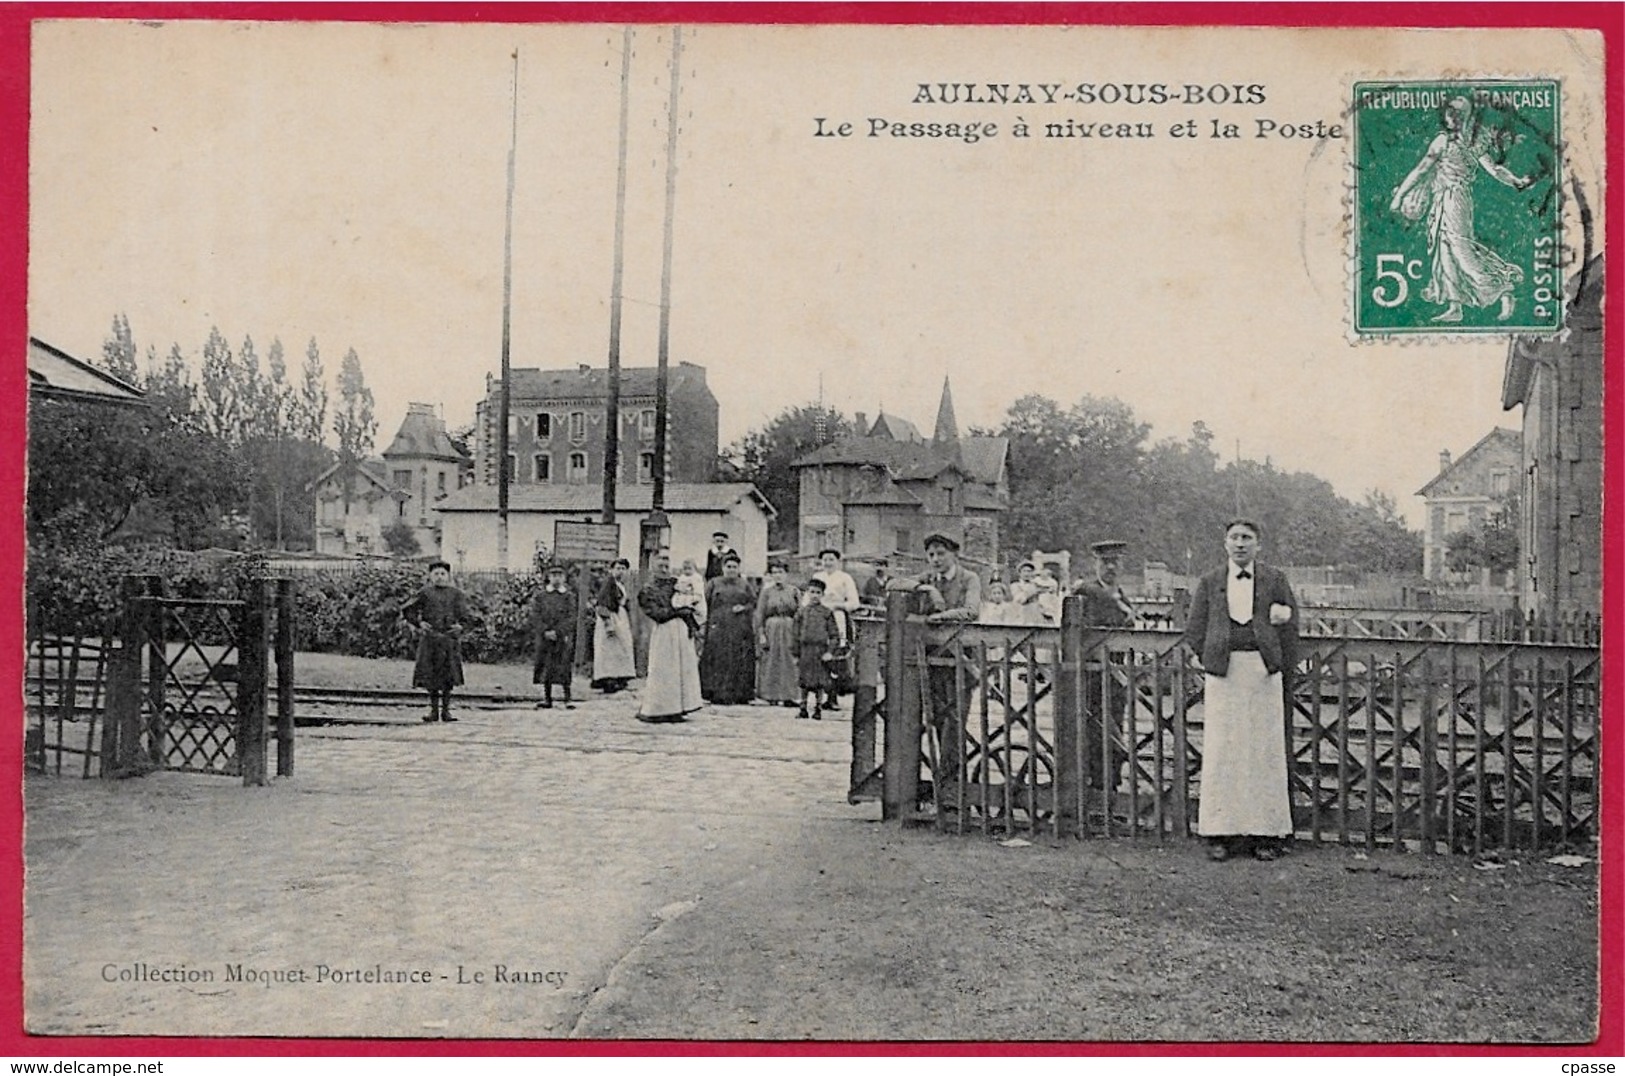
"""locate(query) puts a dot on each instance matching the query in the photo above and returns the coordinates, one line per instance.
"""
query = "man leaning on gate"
(1104, 606)
(952, 593)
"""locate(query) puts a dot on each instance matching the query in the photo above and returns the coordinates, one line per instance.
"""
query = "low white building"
(468, 521)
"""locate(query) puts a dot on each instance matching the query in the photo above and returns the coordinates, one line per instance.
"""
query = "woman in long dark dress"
(439, 613)
(728, 662)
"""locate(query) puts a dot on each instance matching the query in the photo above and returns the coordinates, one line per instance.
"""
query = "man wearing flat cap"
(953, 593)
(719, 552)
(1104, 606)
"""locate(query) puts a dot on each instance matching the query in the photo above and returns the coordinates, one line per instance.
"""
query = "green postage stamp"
(1457, 208)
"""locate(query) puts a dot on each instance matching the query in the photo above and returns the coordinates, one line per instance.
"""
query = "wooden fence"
(175, 683)
(1436, 745)
(66, 679)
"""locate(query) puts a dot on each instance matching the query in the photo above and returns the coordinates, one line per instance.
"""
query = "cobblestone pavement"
(512, 859)
(576, 873)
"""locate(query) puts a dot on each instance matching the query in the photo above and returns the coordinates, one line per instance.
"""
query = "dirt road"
(557, 873)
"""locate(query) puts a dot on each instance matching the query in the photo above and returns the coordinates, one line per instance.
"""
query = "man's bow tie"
(1244, 574)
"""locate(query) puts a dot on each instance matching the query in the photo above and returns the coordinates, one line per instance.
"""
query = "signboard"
(586, 541)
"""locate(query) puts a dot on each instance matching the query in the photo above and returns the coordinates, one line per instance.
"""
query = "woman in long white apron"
(1243, 624)
(612, 662)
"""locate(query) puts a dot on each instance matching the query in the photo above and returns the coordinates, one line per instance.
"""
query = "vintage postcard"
(472, 466)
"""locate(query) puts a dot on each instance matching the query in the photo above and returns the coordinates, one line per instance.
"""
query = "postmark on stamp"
(1457, 207)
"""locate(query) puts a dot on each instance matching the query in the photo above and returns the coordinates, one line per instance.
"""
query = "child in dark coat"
(439, 614)
(816, 635)
(553, 616)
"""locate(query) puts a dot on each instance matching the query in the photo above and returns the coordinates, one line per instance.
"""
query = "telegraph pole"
(612, 418)
(503, 476)
(657, 523)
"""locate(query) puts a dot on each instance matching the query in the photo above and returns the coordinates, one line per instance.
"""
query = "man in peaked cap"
(1104, 603)
(720, 551)
(1104, 606)
(954, 593)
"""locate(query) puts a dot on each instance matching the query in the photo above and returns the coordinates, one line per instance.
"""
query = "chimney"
(862, 425)
(1444, 460)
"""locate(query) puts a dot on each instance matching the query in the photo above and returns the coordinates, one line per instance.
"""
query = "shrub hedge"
(354, 611)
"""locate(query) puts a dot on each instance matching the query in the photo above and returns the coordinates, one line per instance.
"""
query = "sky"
(346, 182)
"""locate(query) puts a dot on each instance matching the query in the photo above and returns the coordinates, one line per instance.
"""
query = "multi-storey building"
(1467, 495)
(556, 426)
(1558, 383)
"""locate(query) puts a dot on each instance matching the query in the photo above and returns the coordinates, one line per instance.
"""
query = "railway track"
(325, 698)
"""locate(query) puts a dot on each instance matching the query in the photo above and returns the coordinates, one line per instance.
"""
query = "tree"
(764, 456)
(1082, 473)
(1499, 538)
(1378, 538)
(400, 539)
(1076, 474)
(222, 404)
(1492, 545)
(308, 412)
(255, 403)
(88, 467)
(354, 424)
(169, 384)
(118, 351)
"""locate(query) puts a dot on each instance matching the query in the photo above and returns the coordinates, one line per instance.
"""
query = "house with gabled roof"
(885, 489)
(1467, 494)
(357, 500)
(53, 374)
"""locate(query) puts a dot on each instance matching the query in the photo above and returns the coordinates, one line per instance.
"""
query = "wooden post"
(1182, 757)
(284, 677)
(642, 627)
(1537, 770)
(866, 660)
(1509, 761)
(157, 672)
(1430, 761)
(1073, 815)
(121, 729)
(584, 624)
(902, 778)
(253, 639)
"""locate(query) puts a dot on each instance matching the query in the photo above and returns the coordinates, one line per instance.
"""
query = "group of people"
(1242, 627)
(728, 642)
(781, 643)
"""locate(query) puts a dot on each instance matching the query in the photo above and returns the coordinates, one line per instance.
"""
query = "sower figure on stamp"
(1104, 606)
(439, 614)
(1244, 627)
(953, 594)
(1464, 270)
(553, 618)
